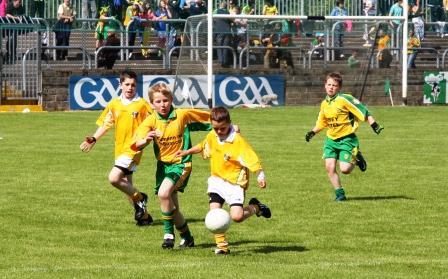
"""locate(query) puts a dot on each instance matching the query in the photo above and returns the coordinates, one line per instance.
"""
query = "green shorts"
(343, 149)
(177, 173)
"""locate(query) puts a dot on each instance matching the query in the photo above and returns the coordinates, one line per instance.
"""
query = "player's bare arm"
(142, 143)
(90, 141)
(309, 135)
(377, 128)
(193, 150)
(261, 179)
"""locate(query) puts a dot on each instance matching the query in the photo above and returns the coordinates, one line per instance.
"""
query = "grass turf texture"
(61, 219)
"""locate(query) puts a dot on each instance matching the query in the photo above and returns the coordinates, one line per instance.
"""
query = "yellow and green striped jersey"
(341, 114)
(230, 159)
(126, 115)
(175, 132)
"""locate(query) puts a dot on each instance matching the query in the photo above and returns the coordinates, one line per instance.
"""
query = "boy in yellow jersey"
(126, 112)
(231, 159)
(170, 128)
(341, 114)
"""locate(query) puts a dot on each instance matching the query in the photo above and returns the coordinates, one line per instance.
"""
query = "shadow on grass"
(377, 198)
(272, 249)
(159, 222)
(264, 249)
(236, 243)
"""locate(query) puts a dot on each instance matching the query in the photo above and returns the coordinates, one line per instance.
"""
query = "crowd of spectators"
(154, 18)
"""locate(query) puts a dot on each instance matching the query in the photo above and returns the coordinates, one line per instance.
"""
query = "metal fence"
(16, 38)
(285, 7)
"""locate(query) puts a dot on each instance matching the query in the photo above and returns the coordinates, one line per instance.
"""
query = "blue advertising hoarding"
(94, 92)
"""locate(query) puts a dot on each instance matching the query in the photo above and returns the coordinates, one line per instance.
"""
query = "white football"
(217, 220)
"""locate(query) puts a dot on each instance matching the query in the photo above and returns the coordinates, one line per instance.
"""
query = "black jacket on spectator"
(108, 56)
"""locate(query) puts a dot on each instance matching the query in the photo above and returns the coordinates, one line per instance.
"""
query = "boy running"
(341, 114)
(126, 112)
(169, 129)
(231, 159)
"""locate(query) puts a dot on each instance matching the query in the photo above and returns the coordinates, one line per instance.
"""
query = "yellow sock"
(221, 243)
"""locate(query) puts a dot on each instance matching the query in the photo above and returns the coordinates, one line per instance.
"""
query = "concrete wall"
(304, 87)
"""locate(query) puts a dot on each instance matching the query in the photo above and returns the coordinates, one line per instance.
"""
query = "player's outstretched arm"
(90, 141)
(261, 179)
(377, 128)
(309, 135)
(194, 150)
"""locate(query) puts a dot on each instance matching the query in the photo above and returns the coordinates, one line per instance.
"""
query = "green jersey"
(340, 114)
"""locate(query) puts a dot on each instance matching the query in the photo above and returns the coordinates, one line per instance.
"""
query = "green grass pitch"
(61, 219)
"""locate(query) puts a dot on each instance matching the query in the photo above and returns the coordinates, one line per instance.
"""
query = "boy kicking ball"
(231, 158)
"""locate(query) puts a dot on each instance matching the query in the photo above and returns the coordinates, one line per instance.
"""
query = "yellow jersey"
(341, 114)
(175, 132)
(413, 42)
(269, 10)
(126, 115)
(230, 159)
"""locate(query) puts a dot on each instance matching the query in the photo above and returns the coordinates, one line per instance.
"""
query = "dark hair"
(220, 114)
(336, 76)
(128, 74)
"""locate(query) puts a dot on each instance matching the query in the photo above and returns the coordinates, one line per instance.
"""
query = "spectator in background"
(418, 22)
(108, 56)
(437, 13)
(396, 10)
(100, 30)
(3, 4)
(369, 9)
(231, 5)
(339, 10)
(384, 58)
(116, 9)
(148, 29)
(14, 11)
(223, 35)
(249, 8)
(89, 10)
(132, 23)
(317, 44)
(269, 8)
(353, 61)
(66, 17)
(239, 30)
(197, 7)
(413, 43)
(162, 13)
(37, 8)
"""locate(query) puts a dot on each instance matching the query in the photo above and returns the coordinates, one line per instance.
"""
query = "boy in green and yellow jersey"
(125, 112)
(341, 114)
(169, 129)
(231, 159)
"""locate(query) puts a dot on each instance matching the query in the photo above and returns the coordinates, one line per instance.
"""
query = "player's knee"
(114, 179)
(237, 217)
(163, 195)
(346, 171)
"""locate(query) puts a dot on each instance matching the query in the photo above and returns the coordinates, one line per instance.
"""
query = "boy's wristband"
(90, 140)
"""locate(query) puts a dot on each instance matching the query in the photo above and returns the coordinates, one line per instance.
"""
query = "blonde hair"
(161, 88)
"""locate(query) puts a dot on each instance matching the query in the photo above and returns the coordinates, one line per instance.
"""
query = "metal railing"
(98, 51)
(443, 58)
(27, 53)
(201, 47)
(248, 48)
